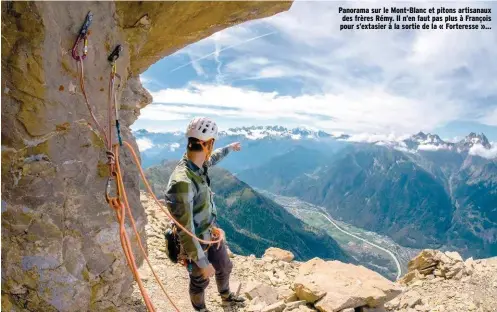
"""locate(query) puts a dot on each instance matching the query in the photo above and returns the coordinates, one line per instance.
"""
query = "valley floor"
(372, 250)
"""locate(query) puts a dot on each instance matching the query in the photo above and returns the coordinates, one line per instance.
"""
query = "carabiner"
(115, 54)
(83, 35)
(108, 190)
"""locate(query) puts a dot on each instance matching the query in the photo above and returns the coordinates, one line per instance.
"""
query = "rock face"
(60, 248)
(333, 286)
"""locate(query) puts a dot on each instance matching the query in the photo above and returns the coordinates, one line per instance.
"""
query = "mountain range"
(266, 142)
(422, 191)
(261, 144)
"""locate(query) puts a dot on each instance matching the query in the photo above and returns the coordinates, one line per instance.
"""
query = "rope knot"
(111, 158)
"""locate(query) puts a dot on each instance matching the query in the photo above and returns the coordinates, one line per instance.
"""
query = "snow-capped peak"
(427, 142)
(421, 142)
(260, 132)
(474, 139)
(429, 138)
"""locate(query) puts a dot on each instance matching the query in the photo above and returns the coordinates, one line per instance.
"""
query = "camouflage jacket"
(190, 201)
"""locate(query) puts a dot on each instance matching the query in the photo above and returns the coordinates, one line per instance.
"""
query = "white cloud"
(404, 149)
(381, 139)
(366, 81)
(453, 139)
(217, 52)
(173, 147)
(151, 112)
(479, 150)
(144, 79)
(489, 118)
(196, 66)
(272, 72)
(353, 110)
(217, 37)
(431, 147)
(144, 144)
(148, 82)
(259, 60)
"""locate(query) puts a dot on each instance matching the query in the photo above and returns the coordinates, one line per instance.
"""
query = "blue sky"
(297, 69)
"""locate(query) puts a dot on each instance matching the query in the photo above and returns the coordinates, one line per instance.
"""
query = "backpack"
(173, 247)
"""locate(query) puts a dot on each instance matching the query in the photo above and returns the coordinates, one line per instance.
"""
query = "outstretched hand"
(236, 146)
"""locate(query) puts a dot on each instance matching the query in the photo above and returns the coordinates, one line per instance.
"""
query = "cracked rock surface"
(60, 248)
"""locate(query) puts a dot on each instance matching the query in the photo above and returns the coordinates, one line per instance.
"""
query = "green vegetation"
(435, 200)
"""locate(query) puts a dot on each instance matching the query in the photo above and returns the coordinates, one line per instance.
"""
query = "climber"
(190, 201)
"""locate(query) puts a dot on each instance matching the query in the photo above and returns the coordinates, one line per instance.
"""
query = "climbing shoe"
(233, 298)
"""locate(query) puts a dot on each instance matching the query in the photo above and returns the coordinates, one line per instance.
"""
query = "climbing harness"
(117, 198)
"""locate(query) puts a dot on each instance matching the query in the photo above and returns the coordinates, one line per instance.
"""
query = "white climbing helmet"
(202, 128)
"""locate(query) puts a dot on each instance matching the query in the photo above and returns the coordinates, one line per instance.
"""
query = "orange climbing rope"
(118, 206)
(112, 152)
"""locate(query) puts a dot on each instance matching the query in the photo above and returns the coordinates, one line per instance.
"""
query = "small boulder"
(304, 308)
(454, 270)
(294, 305)
(393, 304)
(409, 277)
(256, 305)
(377, 309)
(443, 258)
(455, 256)
(410, 300)
(418, 283)
(469, 266)
(426, 259)
(286, 294)
(294, 297)
(279, 254)
(319, 280)
(275, 307)
(422, 308)
(265, 292)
